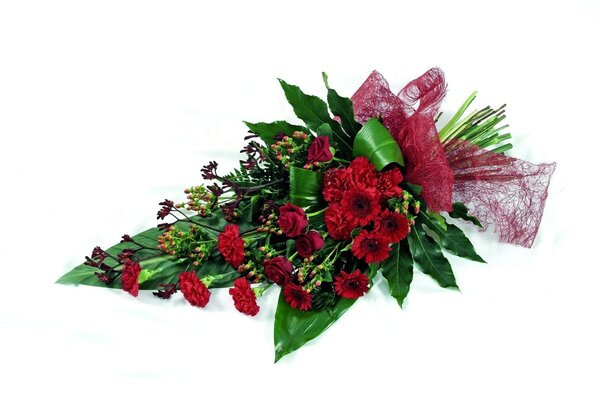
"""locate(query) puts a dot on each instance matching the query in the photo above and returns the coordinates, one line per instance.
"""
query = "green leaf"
(342, 107)
(428, 256)
(450, 237)
(460, 211)
(294, 328)
(376, 143)
(398, 271)
(305, 187)
(268, 130)
(313, 111)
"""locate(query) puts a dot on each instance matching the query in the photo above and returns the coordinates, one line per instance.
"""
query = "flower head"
(193, 289)
(297, 297)
(360, 205)
(292, 220)
(338, 225)
(231, 245)
(392, 226)
(278, 270)
(308, 243)
(351, 285)
(371, 247)
(319, 150)
(244, 297)
(129, 277)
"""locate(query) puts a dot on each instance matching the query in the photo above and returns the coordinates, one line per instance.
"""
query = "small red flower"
(351, 285)
(338, 225)
(363, 173)
(193, 289)
(231, 245)
(392, 226)
(360, 205)
(292, 220)
(308, 243)
(297, 297)
(278, 270)
(244, 297)
(319, 150)
(335, 183)
(129, 277)
(388, 181)
(371, 247)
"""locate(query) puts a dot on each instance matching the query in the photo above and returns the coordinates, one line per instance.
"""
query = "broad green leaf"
(313, 111)
(268, 130)
(398, 271)
(460, 211)
(342, 108)
(305, 187)
(428, 256)
(450, 237)
(294, 328)
(376, 143)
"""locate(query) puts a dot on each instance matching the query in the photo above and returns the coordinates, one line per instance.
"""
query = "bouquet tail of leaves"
(316, 211)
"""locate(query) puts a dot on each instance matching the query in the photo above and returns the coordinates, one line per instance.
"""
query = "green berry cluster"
(291, 150)
(190, 243)
(199, 200)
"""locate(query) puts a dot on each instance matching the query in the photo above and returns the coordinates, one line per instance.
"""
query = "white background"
(108, 107)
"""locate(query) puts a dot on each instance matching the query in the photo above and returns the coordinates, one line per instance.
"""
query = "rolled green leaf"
(305, 187)
(376, 143)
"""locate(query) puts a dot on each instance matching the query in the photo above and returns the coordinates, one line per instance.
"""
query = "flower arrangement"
(367, 184)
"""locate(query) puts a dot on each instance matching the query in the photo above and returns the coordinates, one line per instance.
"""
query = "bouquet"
(366, 184)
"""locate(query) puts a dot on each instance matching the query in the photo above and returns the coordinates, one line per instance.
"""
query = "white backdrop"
(108, 107)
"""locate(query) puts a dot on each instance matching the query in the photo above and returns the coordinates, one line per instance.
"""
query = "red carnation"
(193, 289)
(278, 270)
(335, 183)
(363, 173)
(129, 277)
(297, 297)
(338, 225)
(292, 220)
(388, 181)
(231, 245)
(351, 285)
(392, 226)
(370, 246)
(308, 243)
(360, 205)
(244, 297)
(319, 150)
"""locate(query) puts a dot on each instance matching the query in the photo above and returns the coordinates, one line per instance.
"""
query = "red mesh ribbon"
(500, 190)
(504, 191)
(409, 116)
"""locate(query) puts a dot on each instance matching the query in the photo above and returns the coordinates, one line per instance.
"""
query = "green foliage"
(460, 211)
(268, 130)
(376, 143)
(342, 107)
(398, 271)
(305, 187)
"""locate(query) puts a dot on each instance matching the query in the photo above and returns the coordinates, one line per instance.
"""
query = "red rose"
(129, 277)
(193, 289)
(393, 226)
(335, 183)
(351, 285)
(371, 247)
(292, 220)
(297, 297)
(319, 150)
(231, 245)
(278, 270)
(338, 225)
(308, 243)
(244, 297)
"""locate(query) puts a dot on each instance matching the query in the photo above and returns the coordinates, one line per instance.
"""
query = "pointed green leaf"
(376, 143)
(313, 111)
(398, 271)
(460, 211)
(342, 108)
(450, 237)
(428, 256)
(305, 187)
(268, 130)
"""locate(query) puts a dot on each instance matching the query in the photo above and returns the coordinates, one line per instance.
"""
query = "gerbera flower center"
(361, 206)
(370, 244)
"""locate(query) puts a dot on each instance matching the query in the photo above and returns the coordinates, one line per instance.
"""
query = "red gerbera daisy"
(360, 205)
(351, 285)
(370, 246)
(231, 245)
(297, 297)
(392, 226)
